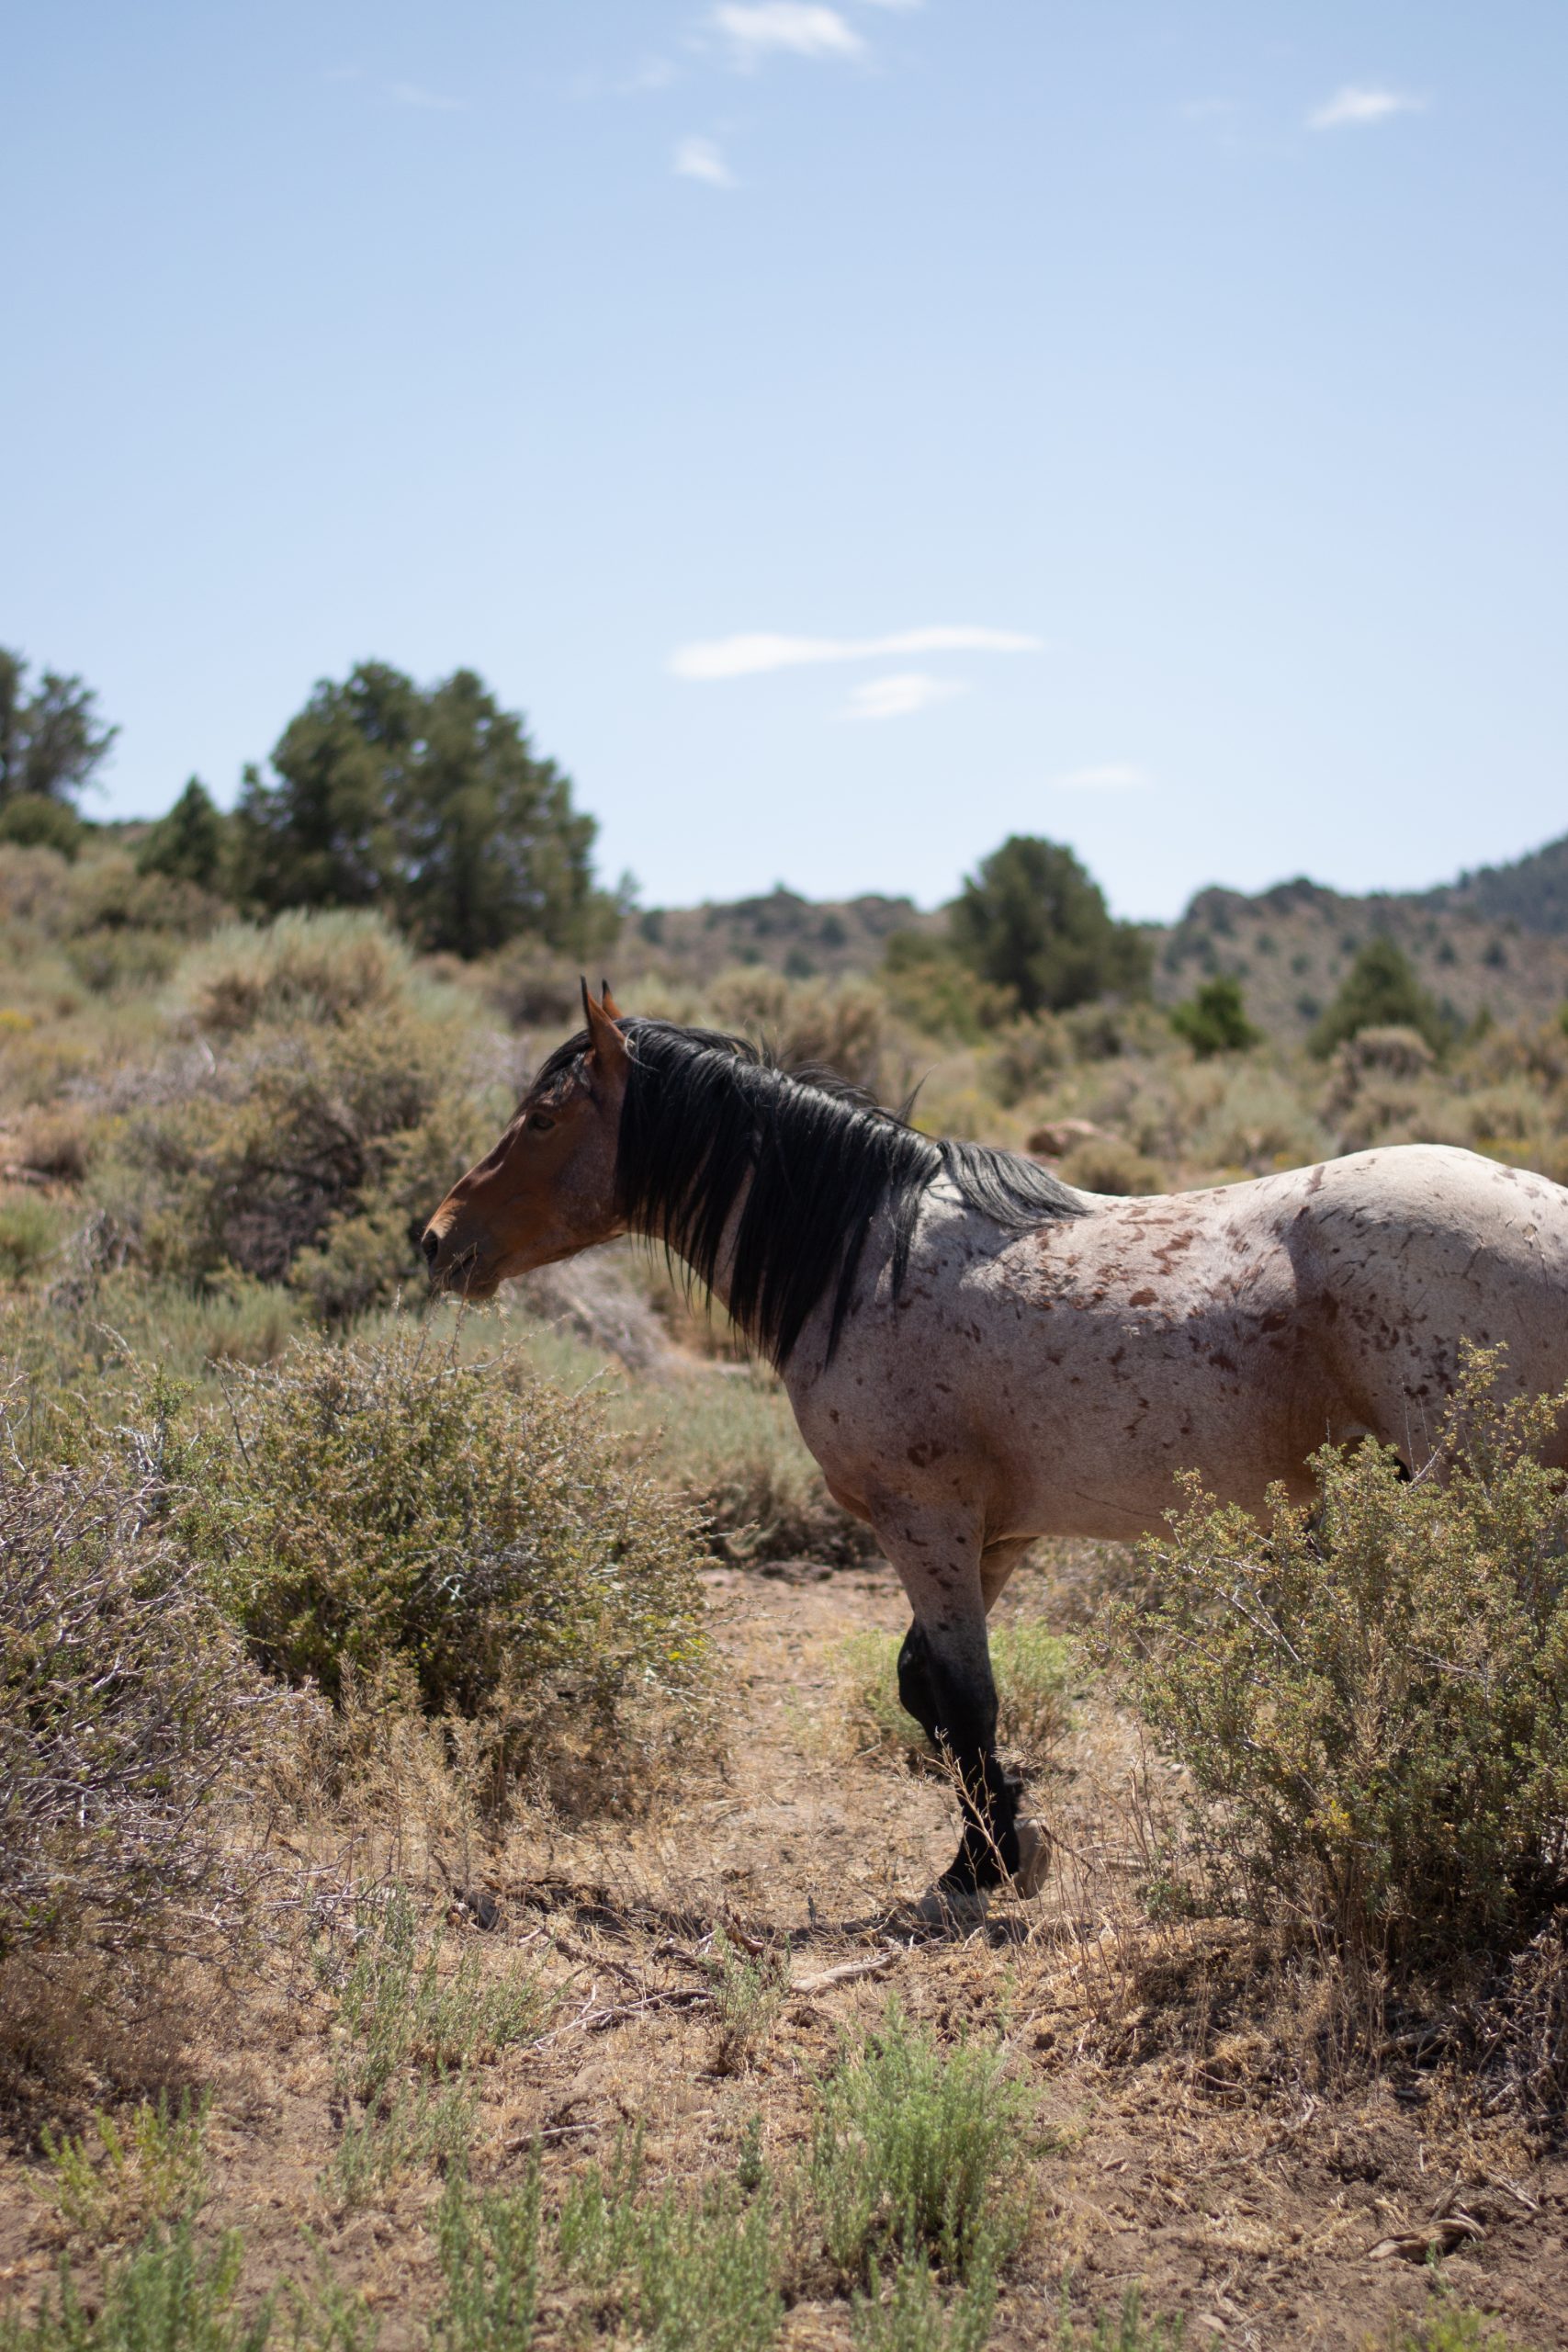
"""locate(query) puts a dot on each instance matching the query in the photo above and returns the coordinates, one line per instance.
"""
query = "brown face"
(548, 1188)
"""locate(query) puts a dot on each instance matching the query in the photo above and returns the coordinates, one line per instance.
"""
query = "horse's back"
(1404, 1253)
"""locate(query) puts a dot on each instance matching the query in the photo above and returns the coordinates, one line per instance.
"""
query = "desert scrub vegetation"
(128, 1713)
(173, 2293)
(1370, 1695)
(911, 2195)
(383, 1504)
(108, 2185)
(920, 2150)
(329, 1095)
(413, 1999)
(693, 2272)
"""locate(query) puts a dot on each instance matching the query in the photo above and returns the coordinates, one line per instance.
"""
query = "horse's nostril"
(431, 1245)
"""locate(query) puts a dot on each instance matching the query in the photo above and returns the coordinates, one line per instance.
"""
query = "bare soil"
(1193, 2137)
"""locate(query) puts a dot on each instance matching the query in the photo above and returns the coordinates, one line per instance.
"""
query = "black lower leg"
(958, 1712)
(916, 1694)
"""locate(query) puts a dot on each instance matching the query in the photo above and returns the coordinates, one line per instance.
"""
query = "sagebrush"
(384, 1503)
(1371, 1693)
(128, 1714)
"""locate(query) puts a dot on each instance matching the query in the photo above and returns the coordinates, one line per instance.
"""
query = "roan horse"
(978, 1356)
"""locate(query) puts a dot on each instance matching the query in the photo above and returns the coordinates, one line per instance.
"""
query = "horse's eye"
(540, 1122)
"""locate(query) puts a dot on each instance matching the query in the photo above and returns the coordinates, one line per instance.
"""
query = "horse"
(978, 1356)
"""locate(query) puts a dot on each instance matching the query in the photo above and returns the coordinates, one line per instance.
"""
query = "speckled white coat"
(1054, 1384)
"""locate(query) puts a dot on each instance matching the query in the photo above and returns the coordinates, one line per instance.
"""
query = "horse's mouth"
(465, 1280)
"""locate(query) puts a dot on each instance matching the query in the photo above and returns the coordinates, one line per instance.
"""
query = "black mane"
(704, 1112)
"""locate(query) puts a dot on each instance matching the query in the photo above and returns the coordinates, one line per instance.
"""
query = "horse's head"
(548, 1188)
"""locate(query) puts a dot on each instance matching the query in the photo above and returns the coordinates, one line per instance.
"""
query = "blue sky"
(850, 432)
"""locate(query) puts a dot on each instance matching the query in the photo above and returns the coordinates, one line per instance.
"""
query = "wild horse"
(978, 1356)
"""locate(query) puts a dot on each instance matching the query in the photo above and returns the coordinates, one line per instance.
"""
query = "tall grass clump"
(1370, 1694)
(382, 1506)
(127, 1710)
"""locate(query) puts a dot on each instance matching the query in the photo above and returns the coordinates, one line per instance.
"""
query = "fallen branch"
(847, 1970)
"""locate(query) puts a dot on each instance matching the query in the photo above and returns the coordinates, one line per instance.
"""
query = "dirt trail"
(1250, 2209)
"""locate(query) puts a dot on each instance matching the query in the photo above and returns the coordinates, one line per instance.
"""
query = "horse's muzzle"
(456, 1273)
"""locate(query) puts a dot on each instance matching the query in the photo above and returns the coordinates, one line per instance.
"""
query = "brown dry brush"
(128, 1716)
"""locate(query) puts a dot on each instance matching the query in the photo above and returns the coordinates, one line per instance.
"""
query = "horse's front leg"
(945, 1681)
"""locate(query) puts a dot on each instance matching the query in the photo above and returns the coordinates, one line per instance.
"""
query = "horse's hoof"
(1033, 1859)
(948, 1909)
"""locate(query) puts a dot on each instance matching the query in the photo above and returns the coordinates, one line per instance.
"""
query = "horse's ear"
(607, 1047)
(608, 1001)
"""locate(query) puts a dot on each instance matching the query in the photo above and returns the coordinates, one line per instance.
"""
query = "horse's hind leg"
(945, 1681)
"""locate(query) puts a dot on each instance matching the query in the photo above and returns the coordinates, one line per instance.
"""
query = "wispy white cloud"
(906, 6)
(1357, 103)
(748, 656)
(703, 159)
(759, 29)
(1116, 777)
(410, 94)
(901, 696)
(653, 74)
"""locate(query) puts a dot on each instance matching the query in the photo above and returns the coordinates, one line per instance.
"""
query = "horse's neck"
(724, 1267)
(810, 1347)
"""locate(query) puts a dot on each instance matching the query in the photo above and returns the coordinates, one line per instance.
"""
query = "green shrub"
(1106, 1164)
(30, 1232)
(1033, 1670)
(1372, 1695)
(416, 2127)
(489, 2252)
(167, 2296)
(346, 1104)
(1026, 1056)
(126, 1704)
(916, 2148)
(749, 1991)
(691, 2273)
(916, 2316)
(154, 2169)
(164, 2298)
(35, 820)
(404, 2002)
(1214, 1020)
(304, 970)
(806, 1024)
(1380, 990)
(928, 986)
(384, 1505)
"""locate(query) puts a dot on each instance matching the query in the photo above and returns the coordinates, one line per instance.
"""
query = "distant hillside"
(1494, 940)
(1291, 946)
(804, 938)
(1532, 891)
